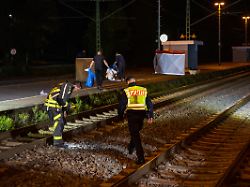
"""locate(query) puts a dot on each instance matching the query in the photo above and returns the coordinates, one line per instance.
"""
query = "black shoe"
(131, 150)
(61, 146)
(140, 161)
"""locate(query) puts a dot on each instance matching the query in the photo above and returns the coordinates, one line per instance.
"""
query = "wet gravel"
(73, 161)
(105, 156)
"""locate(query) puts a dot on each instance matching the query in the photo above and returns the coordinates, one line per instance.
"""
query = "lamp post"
(246, 18)
(159, 25)
(219, 38)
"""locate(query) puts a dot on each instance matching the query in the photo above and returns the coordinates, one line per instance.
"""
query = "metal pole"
(98, 26)
(246, 31)
(219, 39)
(188, 20)
(159, 24)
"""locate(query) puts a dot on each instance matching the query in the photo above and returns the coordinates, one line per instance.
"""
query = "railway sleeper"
(168, 166)
(3, 148)
(86, 120)
(204, 176)
(210, 137)
(210, 148)
(11, 143)
(102, 116)
(187, 163)
(172, 174)
(229, 141)
(246, 169)
(78, 123)
(244, 176)
(185, 156)
(224, 131)
(157, 182)
(209, 170)
(222, 157)
(199, 183)
(24, 139)
(192, 151)
(220, 144)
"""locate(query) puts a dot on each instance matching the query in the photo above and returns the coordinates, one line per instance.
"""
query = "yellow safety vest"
(136, 98)
(50, 101)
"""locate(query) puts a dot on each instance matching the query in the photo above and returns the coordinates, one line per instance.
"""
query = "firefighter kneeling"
(138, 106)
(57, 108)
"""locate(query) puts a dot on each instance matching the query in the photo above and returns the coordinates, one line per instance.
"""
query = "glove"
(150, 120)
(67, 108)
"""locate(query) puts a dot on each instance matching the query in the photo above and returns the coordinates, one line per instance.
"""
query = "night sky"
(52, 31)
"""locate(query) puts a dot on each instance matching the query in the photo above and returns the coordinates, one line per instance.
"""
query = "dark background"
(48, 32)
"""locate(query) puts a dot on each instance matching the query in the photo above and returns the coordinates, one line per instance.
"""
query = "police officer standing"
(138, 105)
(57, 108)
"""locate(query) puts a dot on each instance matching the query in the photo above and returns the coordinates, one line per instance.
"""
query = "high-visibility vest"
(51, 99)
(136, 98)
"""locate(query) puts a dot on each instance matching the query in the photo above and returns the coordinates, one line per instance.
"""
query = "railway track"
(203, 158)
(15, 141)
(240, 174)
(101, 123)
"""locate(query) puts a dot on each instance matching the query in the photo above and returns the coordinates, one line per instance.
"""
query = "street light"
(219, 4)
(164, 38)
(246, 18)
(159, 24)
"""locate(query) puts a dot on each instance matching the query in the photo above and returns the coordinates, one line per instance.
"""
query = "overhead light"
(164, 38)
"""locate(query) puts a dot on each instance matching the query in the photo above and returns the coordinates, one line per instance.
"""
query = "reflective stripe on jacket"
(136, 98)
(58, 92)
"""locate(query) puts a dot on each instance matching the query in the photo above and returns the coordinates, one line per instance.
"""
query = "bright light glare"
(221, 3)
(164, 38)
(246, 17)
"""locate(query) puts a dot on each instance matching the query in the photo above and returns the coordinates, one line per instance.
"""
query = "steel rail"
(212, 122)
(15, 134)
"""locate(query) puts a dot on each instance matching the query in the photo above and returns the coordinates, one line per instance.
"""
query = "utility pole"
(97, 19)
(159, 25)
(188, 20)
(98, 26)
(246, 18)
(219, 29)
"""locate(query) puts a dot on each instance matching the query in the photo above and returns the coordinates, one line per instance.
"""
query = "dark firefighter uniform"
(138, 106)
(56, 104)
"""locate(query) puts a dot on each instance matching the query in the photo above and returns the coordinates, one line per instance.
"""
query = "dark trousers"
(121, 73)
(98, 75)
(50, 114)
(57, 118)
(135, 124)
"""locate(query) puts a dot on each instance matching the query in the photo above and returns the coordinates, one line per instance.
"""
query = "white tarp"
(167, 63)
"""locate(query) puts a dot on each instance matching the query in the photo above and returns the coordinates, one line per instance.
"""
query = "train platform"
(27, 92)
